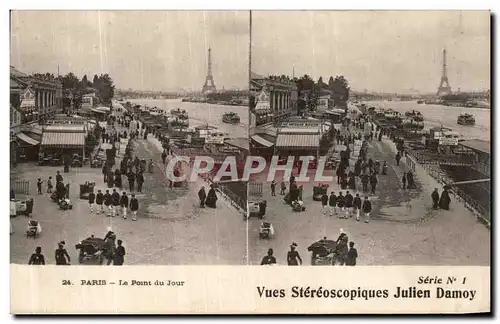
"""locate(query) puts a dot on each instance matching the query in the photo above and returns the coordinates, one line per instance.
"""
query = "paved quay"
(171, 228)
(404, 230)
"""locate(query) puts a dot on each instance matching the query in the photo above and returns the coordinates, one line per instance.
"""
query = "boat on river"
(180, 114)
(231, 118)
(415, 115)
(466, 119)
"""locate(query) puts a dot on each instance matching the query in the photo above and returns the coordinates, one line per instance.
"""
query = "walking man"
(108, 202)
(332, 201)
(357, 205)
(352, 255)
(140, 181)
(99, 199)
(273, 188)
(124, 204)
(349, 199)
(115, 197)
(403, 180)
(367, 209)
(49, 185)
(324, 202)
(373, 182)
(134, 207)
(39, 186)
(341, 204)
(119, 254)
(398, 158)
(91, 201)
(435, 198)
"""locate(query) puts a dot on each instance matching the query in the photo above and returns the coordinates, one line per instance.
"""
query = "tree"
(105, 88)
(95, 80)
(85, 83)
(340, 89)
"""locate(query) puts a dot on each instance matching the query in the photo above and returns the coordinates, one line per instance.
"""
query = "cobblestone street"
(404, 229)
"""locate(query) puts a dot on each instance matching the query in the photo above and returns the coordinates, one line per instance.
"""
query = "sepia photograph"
(226, 160)
(101, 102)
(381, 120)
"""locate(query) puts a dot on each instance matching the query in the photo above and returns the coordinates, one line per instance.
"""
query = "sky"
(378, 51)
(142, 50)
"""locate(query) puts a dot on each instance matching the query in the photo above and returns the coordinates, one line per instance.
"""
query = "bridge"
(134, 94)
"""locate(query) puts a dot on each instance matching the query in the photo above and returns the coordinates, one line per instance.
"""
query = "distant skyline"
(142, 50)
(380, 51)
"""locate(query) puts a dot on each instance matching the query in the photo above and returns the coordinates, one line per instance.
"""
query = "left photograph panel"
(122, 124)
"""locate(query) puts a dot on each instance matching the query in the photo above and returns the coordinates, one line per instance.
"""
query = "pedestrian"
(332, 202)
(67, 191)
(108, 202)
(163, 157)
(403, 179)
(444, 201)
(124, 204)
(349, 200)
(115, 198)
(134, 207)
(269, 259)
(384, 168)
(341, 204)
(119, 254)
(365, 178)
(59, 177)
(37, 258)
(62, 256)
(91, 201)
(273, 188)
(131, 180)
(39, 186)
(373, 182)
(283, 188)
(435, 198)
(398, 158)
(367, 209)
(301, 190)
(352, 255)
(293, 256)
(409, 178)
(99, 199)
(49, 185)
(357, 205)
(105, 172)
(202, 196)
(140, 181)
(324, 202)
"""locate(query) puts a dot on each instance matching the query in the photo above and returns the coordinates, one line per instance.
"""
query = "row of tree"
(74, 88)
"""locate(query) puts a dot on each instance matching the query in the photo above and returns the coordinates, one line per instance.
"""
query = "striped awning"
(63, 140)
(25, 138)
(262, 141)
(299, 141)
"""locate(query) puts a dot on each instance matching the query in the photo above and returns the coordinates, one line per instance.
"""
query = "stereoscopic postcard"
(250, 162)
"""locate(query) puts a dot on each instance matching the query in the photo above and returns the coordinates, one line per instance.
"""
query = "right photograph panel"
(370, 132)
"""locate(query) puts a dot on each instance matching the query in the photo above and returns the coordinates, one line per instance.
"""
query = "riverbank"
(213, 102)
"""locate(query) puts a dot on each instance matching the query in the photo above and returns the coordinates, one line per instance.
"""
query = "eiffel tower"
(209, 85)
(444, 87)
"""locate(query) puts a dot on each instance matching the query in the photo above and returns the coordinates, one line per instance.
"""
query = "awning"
(262, 141)
(63, 140)
(98, 111)
(301, 141)
(25, 138)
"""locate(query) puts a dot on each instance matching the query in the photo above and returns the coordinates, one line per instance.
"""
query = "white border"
(494, 5)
